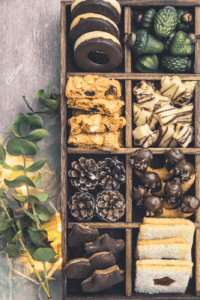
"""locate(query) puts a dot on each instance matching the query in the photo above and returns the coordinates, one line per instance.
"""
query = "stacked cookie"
(99, 270)
(95, 34)
(163, 117)
(97, 109)
(163, 254)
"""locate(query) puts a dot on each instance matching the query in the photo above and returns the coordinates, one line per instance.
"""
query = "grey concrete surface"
(29, 53)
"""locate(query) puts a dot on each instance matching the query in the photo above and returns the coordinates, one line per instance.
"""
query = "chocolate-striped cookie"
(98, 51)
(108, 8)
(92, 22)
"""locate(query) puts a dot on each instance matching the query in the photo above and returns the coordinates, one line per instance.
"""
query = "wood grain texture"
(197, 44)
(129, 184)
(197, 115)
(150, 2)
(128, 112)
(122, 225)
(197, 184)
(127, 29)
(63, 112)
(197, 263)
(137, 76)
(135, 297)
(129, 262)
(130, 151)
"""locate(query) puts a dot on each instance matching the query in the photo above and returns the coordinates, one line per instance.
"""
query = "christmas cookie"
(92, 22)
(83, 267)
(98, 51)
(110, 141)
(93, 87)
(105, 243)
(96, 123)
(101, 106)
(80, 235)
(102, 279)
(108, 8)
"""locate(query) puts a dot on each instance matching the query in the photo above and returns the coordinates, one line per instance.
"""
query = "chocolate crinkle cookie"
(82, 206)
(83, 174)
(110, 205)
(111, 173)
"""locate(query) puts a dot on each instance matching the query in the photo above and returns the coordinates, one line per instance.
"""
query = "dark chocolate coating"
(138, 193)
(105, 243)
(85, 268)
(96, 6)
(182, 172)
(173, 194)
(112, 50)
(81, 235)
(172, 157)
(103, 281)
(152, 181)
(153, 203)
(189, 204)
(92, 24)
(141, 159)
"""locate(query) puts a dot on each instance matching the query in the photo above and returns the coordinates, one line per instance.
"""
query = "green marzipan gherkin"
(147, 63)
(165, 21)
(146, 43)
(174, 64)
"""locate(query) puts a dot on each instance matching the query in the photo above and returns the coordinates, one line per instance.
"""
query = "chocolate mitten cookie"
(80, 235)
(103, 279)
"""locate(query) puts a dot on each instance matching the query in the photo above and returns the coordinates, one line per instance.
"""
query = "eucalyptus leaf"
(33, 121)
(2, 232)
(31, 249)
(37, 134)
(11, 211)
(19, 224)
(35, 237)
(31, 199)
(2, 154)
(12, 251)
(6, 224)
(15, 168)
(45, 111)
(56, 97)
(2, 190)
(16, 129)
(32, 216)
(26, 101)
(16, 147)
(36, 165)
(2, 215)
(36, 146)
(36, 229)
(44, 254)
(41, 196)
(19, 197)
(50, 103)
(19, 181)
(36, 179)
(10, 233)
(43, 213)
(41, 94)
(17, 236)
(49, 89)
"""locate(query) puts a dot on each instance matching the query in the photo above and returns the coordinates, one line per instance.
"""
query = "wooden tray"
(129, 227)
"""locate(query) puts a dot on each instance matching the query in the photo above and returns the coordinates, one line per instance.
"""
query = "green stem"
(30, 259)
(45, 275)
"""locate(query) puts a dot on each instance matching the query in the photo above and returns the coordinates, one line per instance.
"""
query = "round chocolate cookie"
(92, 22)
(98, 51)
(108, 8)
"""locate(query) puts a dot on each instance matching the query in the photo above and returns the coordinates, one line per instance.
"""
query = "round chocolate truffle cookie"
(151, 181)
(173, 194)
(189, 204)
(153, 205)
(98, 51)
(108, 8)
(92, 22)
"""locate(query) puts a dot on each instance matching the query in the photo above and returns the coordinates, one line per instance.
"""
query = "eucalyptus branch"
(13, 227)
(29, 257)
